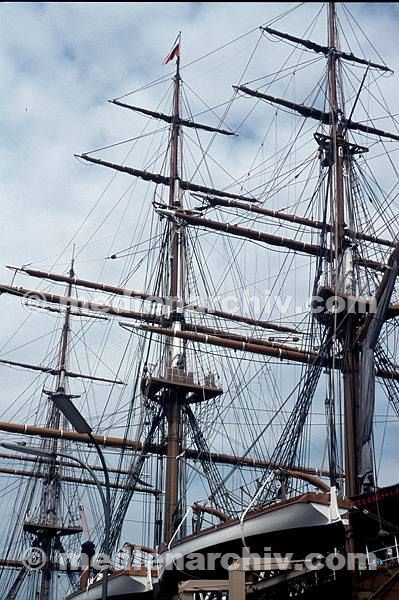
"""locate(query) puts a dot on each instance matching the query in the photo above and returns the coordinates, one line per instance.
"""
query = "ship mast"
(337, 181)
(175, 348)
(355, 337)
(46, 526)
(342, 278)
(50, 504)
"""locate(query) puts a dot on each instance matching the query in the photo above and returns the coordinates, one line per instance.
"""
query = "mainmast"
(354, 336)
(175, 358)
(342, 273)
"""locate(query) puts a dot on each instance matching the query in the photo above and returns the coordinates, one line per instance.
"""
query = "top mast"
(337, 182)
(176, 243)
(60, 383)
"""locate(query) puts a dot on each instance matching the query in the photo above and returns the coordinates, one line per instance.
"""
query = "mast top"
(331, 46)
(175, 53)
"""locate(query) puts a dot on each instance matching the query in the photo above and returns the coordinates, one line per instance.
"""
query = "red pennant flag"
(175, 52)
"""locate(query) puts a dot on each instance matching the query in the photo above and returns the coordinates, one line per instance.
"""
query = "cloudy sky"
(60, 62)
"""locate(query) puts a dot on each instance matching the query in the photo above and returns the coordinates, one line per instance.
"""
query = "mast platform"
(182, 382)
(51, 529)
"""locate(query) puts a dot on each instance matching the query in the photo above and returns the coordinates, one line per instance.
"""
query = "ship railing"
(383, 556)
(181, 376)
(135, 555)
(49, 519)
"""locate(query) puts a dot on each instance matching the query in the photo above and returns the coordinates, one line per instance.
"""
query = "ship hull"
(290, 526)
(281, 518)
(259, 529)
(294, 528)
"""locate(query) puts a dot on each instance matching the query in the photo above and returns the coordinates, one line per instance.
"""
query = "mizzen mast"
(48, 526)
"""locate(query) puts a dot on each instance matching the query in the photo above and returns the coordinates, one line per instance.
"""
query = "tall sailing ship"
(222, 429)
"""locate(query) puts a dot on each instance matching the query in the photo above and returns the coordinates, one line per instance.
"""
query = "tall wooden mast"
(51, 496)
(337, 139)
(175, 349)
(342, 281)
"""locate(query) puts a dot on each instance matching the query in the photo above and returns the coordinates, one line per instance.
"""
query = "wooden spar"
(137, 446)
(85, 304)
(366, 263)
(366, 129)
(142, 316)
(52, 471)
(94, 285)
(242, 319)
(314, 113)
(19, 564)
(370, 238)
(161, 179)
(155, 299)
(51, 371)
(280, 351)
(140, 548)
(297, 219)
(64, 343)
(203, 329)
(393, 311)
(258, 236)
(337, 201)
(312, 479)
(79, 480)
(325, 49)
(230, 335)
(337, 197)
(267, 212)
(210, 510)
(74, 313)
(305, 111)
(12, 564)
(73, 465)
(170, 119)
